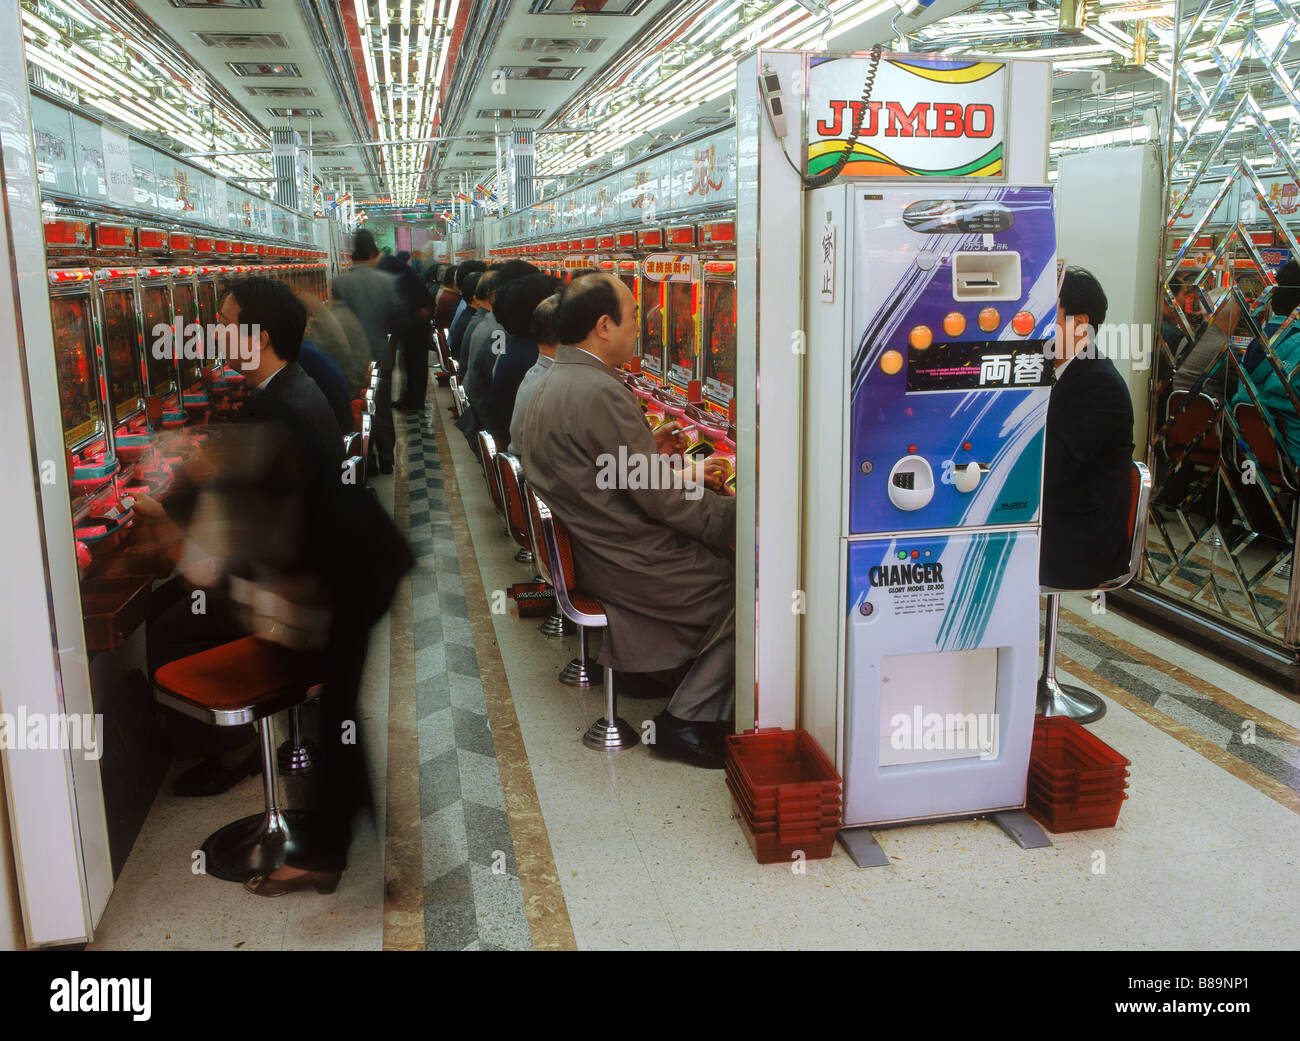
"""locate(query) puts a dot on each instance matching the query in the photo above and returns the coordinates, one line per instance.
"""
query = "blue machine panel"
(949, 381)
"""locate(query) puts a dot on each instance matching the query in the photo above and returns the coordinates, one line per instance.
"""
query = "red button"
(911, 448)
(965, 446)
(1023, 323)
(915, 553)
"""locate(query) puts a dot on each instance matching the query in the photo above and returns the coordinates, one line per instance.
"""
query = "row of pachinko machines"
(683, 276)
(131, 409)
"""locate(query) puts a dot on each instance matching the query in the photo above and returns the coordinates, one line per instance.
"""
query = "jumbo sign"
(927, 117)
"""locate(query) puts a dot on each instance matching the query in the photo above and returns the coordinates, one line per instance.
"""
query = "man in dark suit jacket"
(278, 514)
(1089, 448)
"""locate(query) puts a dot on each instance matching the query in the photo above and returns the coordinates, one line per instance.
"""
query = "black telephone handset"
(773, 102)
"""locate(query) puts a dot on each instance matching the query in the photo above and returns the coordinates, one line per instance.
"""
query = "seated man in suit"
(657, 557)
(1088, 450)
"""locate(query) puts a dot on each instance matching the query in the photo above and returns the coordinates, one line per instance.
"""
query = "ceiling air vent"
(215, 4)
(584, 7)
(532, 72)
(245, 41)
(510, 113)
(332, 153)
(281, 92)
(257, 68)
(306, 113)
(552, 48)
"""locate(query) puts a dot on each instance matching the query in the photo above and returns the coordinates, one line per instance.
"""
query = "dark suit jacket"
(294, 399)
(1086, 482)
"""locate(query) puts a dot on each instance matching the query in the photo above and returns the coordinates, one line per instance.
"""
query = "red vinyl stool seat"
(237, 683)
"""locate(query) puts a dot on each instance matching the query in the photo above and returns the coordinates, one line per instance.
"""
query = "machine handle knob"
(966, 478)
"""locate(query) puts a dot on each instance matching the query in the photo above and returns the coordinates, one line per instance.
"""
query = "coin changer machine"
(928, 305)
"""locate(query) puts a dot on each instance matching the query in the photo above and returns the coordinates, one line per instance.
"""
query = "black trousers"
(341, 786)
(416, 341)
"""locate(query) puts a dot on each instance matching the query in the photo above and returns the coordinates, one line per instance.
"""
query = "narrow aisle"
(472, 891)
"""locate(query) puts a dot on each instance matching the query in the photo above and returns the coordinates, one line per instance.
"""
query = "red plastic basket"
(1057, 818)
(1076, 781)
(764, 761)
(776, 847)
(788, 817)
(1063, 750)
(1086, 802)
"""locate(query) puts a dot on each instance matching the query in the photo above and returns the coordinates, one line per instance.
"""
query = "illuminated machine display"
(651, 299)
(156, 314)
(929, 291)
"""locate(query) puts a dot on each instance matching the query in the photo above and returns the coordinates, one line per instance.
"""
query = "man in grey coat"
(371, 295)
(649, 541)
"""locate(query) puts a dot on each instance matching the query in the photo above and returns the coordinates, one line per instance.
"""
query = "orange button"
(954, 323)
(891, 362)
(989, 319)
(1023, 323)
(920, 337)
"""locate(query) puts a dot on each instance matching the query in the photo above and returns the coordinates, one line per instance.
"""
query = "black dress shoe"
(640, 685)
(694, 743)
(210, 777)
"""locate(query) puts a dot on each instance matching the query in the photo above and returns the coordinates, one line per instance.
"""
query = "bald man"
(656, 553)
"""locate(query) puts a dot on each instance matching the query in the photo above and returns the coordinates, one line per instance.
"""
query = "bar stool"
(242, 682)
(445, 360)
(1064, 699)
(367, 425)
(487, 452)
(610, 731)
(581, 671)
(556, 626)
(510, 477)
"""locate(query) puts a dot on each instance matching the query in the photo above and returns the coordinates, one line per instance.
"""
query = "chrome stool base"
(297, 753)
(1064, 699)
(259, 844)
(523, 556)
(555, 627)
(604, 736)
(295, 759)
(581, 672)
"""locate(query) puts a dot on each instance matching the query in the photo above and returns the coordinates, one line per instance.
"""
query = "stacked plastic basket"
(1076, 780)
(785, 792)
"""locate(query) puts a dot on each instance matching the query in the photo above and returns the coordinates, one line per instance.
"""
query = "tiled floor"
(473, 897)
(622, 851)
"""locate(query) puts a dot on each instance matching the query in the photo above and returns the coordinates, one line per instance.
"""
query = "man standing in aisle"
(371, 295)
(1088, 451)
(657, 554)
(412, 329)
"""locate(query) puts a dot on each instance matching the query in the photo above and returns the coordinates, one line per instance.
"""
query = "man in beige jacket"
(649, 541)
